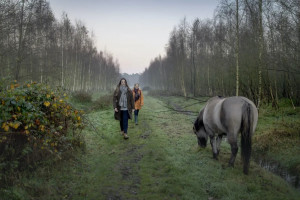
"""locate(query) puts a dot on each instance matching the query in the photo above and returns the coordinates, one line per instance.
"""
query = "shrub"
(35, 122)
(82, 96)
(103, 102)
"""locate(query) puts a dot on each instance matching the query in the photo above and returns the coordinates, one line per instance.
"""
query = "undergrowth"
(285, 133)
(103, 102)
(36, 123)
(82, 96)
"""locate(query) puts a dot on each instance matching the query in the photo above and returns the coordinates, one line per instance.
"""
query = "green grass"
(161, 160)
(277, 136)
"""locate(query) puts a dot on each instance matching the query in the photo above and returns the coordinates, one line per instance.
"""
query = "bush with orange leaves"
(36, 122)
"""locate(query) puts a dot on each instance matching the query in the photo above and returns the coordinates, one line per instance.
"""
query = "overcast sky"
(134, 31)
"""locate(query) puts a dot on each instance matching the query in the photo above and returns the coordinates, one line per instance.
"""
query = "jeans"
(136, 113)
(124, 120)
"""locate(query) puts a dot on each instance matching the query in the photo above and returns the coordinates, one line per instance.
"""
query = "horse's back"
(233, 107)
(224, 115)
(231, 115)
(211, 115)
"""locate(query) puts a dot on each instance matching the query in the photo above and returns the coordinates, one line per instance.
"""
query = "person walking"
(138, 101)
(123, 105)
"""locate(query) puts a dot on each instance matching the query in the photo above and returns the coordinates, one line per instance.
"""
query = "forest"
(249, 48)
(37, 47)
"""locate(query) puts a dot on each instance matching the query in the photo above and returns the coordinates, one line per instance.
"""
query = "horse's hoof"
(215, 156)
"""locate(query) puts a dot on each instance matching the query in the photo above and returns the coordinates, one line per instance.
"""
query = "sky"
(133, 31)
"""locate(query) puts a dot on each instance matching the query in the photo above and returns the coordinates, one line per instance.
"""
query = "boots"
(126, 136)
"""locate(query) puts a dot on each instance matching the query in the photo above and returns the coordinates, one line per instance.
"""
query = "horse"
(227, 116)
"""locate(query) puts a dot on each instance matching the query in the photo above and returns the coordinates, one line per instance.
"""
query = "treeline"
(34, 46)
(249, 48)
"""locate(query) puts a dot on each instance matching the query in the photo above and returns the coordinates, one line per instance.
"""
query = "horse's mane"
(199, 121)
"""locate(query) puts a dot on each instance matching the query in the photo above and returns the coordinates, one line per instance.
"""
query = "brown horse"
(227, 116)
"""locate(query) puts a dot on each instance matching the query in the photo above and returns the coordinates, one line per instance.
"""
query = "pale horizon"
(133, 31)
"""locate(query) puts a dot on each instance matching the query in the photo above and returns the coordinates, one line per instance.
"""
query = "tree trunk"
(20, 43)
(260, 37)
(237, 48)
(90, 75)
(62, 60)
(208, 81)
(74, 74)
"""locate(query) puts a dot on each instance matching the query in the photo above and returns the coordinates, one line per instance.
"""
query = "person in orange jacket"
(138, 101)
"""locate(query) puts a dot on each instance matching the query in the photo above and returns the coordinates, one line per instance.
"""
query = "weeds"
(82, 97)
(103, 102)
(286, 133)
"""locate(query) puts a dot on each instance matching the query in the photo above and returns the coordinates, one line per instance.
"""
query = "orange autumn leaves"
(6, 126)
(38, 112)
(47, 103)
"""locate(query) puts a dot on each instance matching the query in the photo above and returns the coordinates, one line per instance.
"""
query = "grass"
(161, 160)
(278, 135)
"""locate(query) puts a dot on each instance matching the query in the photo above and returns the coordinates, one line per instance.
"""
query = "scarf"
(137, 94)
(123, 98)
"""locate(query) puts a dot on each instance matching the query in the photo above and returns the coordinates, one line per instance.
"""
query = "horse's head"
(199, 130)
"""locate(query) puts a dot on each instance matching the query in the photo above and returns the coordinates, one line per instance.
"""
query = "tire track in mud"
(190, 114)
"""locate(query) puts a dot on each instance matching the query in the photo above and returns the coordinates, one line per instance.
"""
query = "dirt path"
(128, 168)
(127, 165)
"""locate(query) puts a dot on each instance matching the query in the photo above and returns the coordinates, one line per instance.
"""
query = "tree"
(237, 48)
(261, 44)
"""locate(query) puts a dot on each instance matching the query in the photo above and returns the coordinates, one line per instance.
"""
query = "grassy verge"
(278, 136)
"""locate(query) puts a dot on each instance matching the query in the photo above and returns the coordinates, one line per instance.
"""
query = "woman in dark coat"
(123, 105)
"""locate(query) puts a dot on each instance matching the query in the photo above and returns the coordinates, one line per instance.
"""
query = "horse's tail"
(247, 131)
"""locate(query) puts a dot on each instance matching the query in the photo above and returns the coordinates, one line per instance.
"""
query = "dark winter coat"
(130, 103)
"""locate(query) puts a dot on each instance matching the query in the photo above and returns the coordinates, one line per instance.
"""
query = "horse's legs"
(234, 150)
(213, 143)
(219, 140)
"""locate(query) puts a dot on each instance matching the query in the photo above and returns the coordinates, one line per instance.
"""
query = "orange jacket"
(140, 102)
